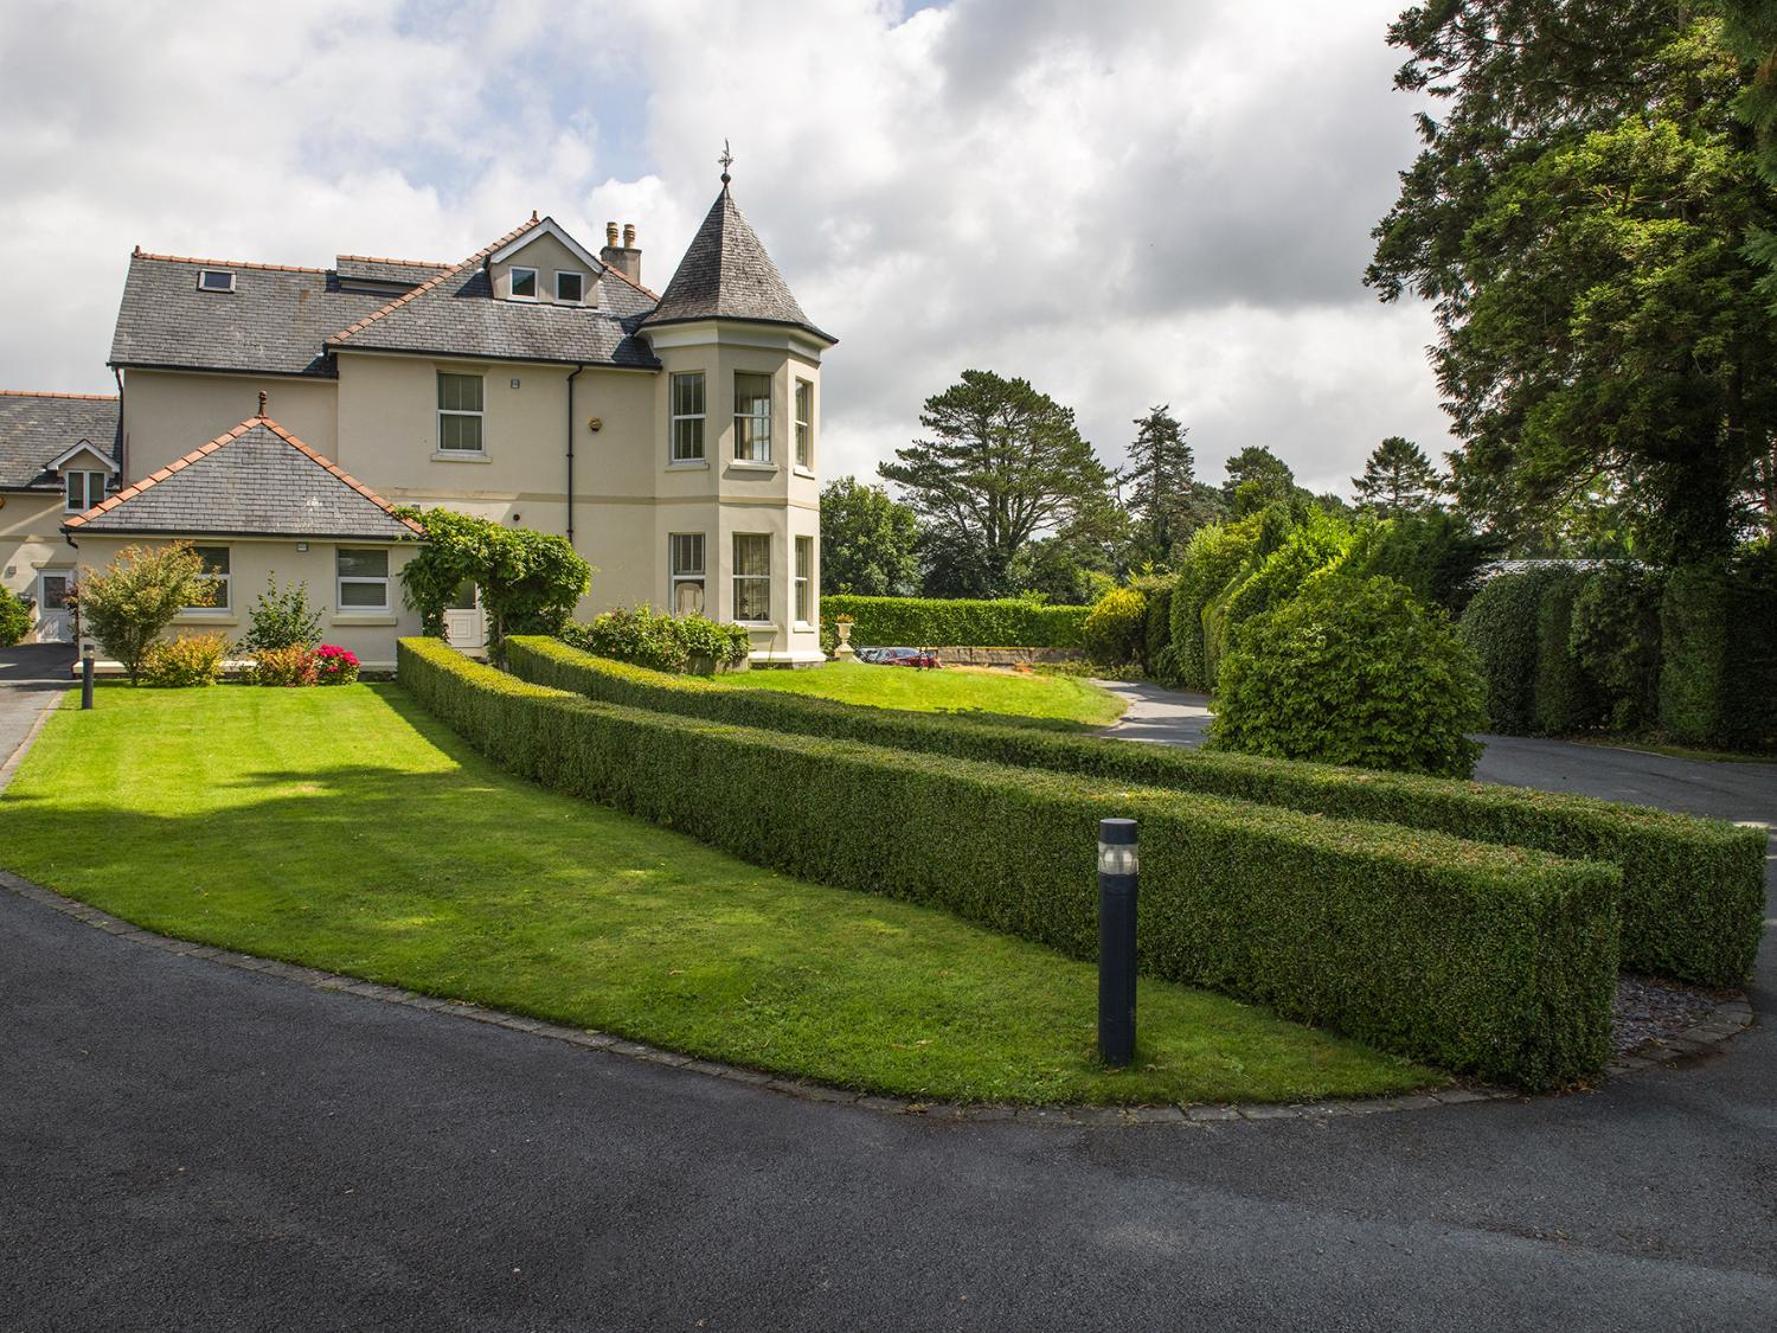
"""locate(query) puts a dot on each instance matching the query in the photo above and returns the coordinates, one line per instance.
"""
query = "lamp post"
(86, 676)
(1118, 866)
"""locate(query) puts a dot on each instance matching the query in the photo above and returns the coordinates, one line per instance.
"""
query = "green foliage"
(1580, 214)
(1616, 641)
(530, 581)
(1258, 478)
(1501, 626)
(867, 541)
(1563, 699)
(1070, 571)
(1166, 501)
(1749, 712)
(15, 619)
(1481, 958)
(126, 605)
(293, 664)
(1694, 634)
(1214, 557)
(1353, 671)
(1003, 463)
(1693, 889)
(282, 618)
(1157, 656)
(1398, 479)
(935, 622)
(1436, 554)
(186, 661)
(1320, 541)
(665, 643)
(1116, 629)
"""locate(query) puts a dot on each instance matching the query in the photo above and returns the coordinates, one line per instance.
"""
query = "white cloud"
(1127, 204)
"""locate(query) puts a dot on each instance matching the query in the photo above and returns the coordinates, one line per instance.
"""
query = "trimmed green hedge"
(933, 622)
(1693, 889)
(1563, 697)
(1491, 959)
(1500, 624)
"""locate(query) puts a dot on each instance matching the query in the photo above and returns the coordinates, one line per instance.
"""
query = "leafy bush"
(16, 620)
(193, 659)
(530, 581)
(1693, 889)
(1501, 626)
(1748, 715)
(1490, 959)
(1616, 641)
(282, 618)
(937, 622)
(1694, 634)
(1435, 554)
(1214, 556)
(653, 639)
(335, 665)
(1157, 654)
(1317, 543)
(1563, 699)
(126, 605)
(1116, 628)
(1352, 671)
(295, 665)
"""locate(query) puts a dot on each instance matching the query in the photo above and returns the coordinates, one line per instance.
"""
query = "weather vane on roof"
(727, 160)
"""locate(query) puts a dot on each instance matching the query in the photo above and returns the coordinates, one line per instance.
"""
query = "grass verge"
(346, 829)
(979, 692)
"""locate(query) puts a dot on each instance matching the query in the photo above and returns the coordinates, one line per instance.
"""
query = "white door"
(55, 622)
(465, 623)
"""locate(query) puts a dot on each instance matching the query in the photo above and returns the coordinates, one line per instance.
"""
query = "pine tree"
(1165, 502)
(1398, 479)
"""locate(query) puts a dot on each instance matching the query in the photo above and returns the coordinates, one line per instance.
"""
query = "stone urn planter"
(843, 651)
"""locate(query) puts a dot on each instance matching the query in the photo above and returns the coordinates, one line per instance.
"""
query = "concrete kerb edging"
(1729, 1018)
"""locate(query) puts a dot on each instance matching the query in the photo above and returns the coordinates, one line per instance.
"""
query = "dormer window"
(524, 284)
(215, 280)
(85, 489)
(570, 287)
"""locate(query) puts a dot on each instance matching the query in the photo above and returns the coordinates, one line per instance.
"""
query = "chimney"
(625, 258)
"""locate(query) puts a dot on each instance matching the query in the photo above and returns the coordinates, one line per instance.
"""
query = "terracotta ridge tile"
(432, 283)
(410, 263)
(49, 393)
(140, 253)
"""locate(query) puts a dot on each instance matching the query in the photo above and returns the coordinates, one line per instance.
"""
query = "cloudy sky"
(1126, 203)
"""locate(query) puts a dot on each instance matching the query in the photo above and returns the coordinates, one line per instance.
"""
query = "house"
(275, 416)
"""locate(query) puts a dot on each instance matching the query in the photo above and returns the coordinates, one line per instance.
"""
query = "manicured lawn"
(344, 828)
(1006, 695)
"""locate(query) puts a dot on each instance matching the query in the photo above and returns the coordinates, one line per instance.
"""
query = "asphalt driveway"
(32, 677)
(186, 1145)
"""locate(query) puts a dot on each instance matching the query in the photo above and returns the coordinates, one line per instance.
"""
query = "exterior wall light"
(1119, 863)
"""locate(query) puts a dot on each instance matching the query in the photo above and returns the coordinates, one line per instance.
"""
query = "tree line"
(1001, 496)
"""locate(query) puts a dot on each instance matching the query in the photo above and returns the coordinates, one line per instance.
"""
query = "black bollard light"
(1118, 866)
(86, 679)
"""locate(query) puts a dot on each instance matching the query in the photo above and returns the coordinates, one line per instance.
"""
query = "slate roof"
(37, 427)
(405, 272)
(453, 313)
(276, 321)
(726, 274)
(257, 480)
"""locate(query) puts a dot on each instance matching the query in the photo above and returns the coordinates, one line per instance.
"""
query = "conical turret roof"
(726, 274)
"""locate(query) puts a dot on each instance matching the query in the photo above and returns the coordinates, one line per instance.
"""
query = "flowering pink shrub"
(335, 665)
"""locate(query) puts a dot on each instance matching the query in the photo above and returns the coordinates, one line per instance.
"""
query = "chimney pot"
(629, 235)
(610, 233)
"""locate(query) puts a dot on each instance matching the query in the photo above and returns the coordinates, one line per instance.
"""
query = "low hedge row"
(1495, 960)
(1693, 889)
(929, 622)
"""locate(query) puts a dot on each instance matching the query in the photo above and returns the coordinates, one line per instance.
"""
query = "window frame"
(804, 397)
(87, 476)
(223, 579)
(674, 417)
(675, 576)
(737, 578)
(512, 273)
(758, 437)
(228, 273)
(576, 274)
(802, 580)
(340, 580)
(479, 414)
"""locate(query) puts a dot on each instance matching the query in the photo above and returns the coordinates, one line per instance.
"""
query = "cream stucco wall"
(369, 634)
(548, 256)
(379, 421)
(167, 414)
(31, 540)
